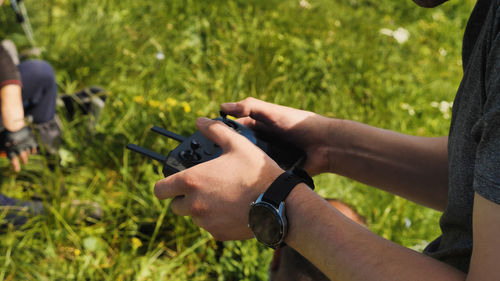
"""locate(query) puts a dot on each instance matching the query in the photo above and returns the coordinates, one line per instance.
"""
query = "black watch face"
(266, 224)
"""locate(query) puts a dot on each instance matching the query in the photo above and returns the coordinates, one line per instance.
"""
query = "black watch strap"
(283, 185)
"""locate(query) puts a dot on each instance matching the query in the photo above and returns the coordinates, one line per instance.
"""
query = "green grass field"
(344, 59)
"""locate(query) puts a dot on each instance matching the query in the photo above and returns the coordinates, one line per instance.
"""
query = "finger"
(171, 186)
(179, 206)
(247, 121)
(254, 124)
(217, 132)
(251, 107)
(24, 156)
(15, 164)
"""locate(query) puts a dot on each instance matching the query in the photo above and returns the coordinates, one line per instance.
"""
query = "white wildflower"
(445, 106)
(401, 35)
(442, 52)
(437, 16)
(386, 31)
(407, 222)
(160, 56)
(304, 4)
(408, 108)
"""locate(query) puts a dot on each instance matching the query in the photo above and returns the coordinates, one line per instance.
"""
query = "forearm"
(345, 251)
(12, 107)
(413, 167)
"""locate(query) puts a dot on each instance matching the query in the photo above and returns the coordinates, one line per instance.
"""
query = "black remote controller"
(197, 149)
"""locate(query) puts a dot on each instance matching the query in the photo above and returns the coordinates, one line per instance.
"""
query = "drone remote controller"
(197, 149)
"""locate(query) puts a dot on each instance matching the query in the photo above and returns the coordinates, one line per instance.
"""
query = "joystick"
(197, 148)
(191, 155)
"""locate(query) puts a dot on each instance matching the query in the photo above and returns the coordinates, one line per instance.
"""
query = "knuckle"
(248, 100)
(197, 209)
(212, 127)
(191, 181)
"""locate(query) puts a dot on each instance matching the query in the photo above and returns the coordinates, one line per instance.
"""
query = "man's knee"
(36, 70)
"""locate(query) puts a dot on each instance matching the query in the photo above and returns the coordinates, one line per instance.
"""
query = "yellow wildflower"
(77, 252)
(136, 243)
(186, 107)
(139, 99)
(117, 104)
(154, 103)
(171, 102)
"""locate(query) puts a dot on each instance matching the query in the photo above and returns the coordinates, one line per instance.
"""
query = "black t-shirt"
(474, 139)
(8, 70)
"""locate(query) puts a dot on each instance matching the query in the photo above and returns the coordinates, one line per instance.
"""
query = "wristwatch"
(267, 217)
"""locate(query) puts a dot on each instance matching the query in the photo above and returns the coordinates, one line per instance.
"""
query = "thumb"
(217, 132)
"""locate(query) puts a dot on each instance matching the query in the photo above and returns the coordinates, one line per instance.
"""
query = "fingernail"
(202, 121)
(229, 106)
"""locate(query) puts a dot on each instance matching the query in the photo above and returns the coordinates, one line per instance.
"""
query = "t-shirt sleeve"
(487, 164)
(8, 70)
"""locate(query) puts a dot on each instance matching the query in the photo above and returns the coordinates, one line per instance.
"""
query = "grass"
(330, 58)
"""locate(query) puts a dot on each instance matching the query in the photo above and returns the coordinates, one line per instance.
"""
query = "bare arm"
(413, 167)
(486, 240)
(345, 251)
(12, 107)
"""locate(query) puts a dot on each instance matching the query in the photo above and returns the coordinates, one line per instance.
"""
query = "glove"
(16, 142)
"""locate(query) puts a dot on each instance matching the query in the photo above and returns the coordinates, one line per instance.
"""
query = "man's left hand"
(217, 193)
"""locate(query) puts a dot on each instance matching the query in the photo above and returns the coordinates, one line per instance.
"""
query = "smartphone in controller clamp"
(197, 149)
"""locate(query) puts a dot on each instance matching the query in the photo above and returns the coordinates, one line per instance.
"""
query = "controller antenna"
(147, 152)
(168, 134)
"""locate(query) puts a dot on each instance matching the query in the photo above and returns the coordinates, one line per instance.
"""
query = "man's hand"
(19, 144)
(217, 194)
(304, 129)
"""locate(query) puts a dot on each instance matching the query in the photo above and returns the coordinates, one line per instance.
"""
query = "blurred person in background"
(26, 88)
(28, 121)
(28, 91)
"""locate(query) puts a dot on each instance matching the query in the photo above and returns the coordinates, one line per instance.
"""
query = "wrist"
(14, 125)
(298, 201)
(267, 216)
(335, 143)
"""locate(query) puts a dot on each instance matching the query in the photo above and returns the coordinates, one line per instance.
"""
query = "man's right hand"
(303, 129)
(19, 144)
